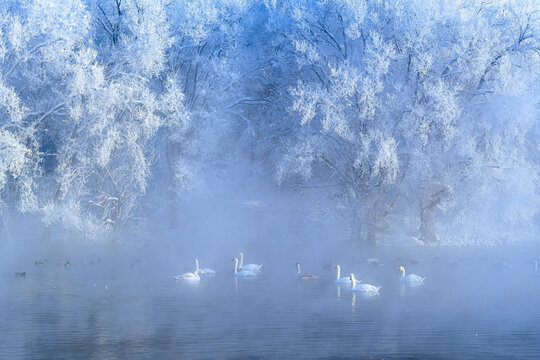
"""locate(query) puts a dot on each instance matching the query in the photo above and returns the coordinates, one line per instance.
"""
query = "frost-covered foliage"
(412, 117)
(96, 94)
(395, 99)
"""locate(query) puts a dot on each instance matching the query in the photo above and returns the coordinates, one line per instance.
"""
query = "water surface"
(473, 305)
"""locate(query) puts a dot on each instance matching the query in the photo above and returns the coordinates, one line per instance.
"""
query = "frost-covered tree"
(206, 63)
(458, 63)
(153, 88)
(17, 159)
(116, 109)
(393, 97)
(346, 144)
(36, 43)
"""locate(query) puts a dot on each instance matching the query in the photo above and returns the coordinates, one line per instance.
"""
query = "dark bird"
(305, 276)
(20, 274)
(67, 264)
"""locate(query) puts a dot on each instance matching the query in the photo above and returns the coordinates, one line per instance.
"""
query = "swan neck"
(196, 265)
(353, 281)
(235, 265)
(241, 259)
(298, 268)
(338, 272)
(402, 273)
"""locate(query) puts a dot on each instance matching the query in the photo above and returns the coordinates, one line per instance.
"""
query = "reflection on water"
(462, 311)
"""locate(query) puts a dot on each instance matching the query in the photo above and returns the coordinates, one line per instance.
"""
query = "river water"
(473, 305)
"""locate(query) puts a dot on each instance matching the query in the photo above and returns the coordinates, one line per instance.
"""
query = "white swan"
(411, 278)
(249, 267)
(243, 273)
(204, 271)
(192, 278)
(365, 288)
(341, 280)
(305, 276)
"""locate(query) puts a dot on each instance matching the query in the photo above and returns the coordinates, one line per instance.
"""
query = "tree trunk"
(173, 212)
(371, 235)
(46, 235)
(356, 231)
(116, 235)
(173, 196)
(427, 223)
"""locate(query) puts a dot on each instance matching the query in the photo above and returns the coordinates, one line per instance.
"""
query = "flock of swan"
(253, 270)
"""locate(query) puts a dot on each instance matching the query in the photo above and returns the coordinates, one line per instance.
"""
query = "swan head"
(401, 270)
(337, 267)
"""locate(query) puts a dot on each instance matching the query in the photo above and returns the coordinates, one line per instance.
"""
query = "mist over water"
(122, 301)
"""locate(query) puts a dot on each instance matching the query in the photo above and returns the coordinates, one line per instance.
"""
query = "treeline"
(408, 117)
